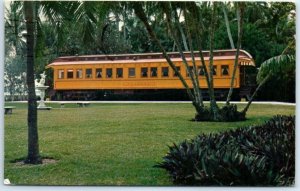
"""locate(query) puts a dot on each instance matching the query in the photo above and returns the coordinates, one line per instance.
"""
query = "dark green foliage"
(283, 78)
(203, 114)
(284, 91)
(230, 113)
(255, 156)
(226, 113)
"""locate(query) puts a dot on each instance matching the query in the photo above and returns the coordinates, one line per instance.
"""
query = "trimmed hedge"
(255, 156)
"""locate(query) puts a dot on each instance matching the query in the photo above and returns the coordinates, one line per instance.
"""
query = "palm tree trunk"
(198, 99)
(181, 32)
(174, 47)
(199, 24)
(213, 103)
(192, 7)
(33, 156)
(197, 89)
(142, 16)
(124, 23)
(240, 14)
(198, 18)
(168, 11)
(227, 26)
(198, 92)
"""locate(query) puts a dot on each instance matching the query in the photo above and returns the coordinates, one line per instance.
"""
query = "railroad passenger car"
(145, 76)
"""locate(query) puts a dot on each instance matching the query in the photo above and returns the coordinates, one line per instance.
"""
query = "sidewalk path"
(128, 102)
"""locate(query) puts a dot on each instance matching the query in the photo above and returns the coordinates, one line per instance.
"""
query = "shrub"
(254, 156)
(226, 113)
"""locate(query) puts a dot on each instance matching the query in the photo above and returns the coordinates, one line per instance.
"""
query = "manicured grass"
(109, 144)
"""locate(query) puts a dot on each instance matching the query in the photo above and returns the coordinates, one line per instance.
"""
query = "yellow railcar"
(131, 73)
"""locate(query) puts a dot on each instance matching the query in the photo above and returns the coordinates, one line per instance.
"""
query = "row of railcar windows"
(145, 72)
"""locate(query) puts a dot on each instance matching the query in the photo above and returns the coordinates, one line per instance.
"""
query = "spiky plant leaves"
(255, 156)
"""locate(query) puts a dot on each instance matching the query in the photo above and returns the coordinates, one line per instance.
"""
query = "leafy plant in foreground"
(251, 156)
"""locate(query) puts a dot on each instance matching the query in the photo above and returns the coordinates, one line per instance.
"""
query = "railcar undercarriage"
(145, 94)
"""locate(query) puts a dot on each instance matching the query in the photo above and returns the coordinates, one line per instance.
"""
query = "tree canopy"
(84, 27)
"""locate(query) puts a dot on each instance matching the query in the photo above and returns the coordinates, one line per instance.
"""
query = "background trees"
(15, 66)
(113, 28)
(14, 78)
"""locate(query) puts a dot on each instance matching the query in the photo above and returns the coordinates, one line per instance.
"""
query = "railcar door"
(247, 80)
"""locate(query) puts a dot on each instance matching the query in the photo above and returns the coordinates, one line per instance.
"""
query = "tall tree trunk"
(188, 25)
(174, 47)
(192, 7)
(142, 16)
(33, 156)
(198, 100)
(227, 26)
(213, 103)
(169, 12)
(186, 48)
(124, 23)
(240, 15)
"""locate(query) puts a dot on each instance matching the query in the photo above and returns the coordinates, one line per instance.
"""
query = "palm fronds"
(276, 66)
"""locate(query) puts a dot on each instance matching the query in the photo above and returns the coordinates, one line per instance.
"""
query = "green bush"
(226, 113)
(254, 156)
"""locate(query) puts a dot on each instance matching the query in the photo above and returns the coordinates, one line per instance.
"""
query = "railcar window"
(215, 70)
(70, 73)
(191, 70)
(61, 74)
(119, 72)
(98, 72)
(153, 71)
(131, 72)
(225, 70)
(165, 71)
(178, 69)
(109, 72)
(79, 73)
(144, 72)
(201, 71)
(88, 73)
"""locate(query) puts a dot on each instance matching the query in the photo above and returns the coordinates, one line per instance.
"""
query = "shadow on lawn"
(45, 160)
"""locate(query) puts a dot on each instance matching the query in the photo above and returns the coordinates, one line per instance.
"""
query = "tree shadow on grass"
(44, 160)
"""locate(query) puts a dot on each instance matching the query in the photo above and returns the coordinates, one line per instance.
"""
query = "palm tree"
(193, 23)
(240, 14)
(33, 156)
(275, 66)
(15, 28)
(31, 18)
(53, 11)
(224, 8)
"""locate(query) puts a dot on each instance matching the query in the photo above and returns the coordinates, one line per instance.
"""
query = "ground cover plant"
(109, 144)
(262, 155)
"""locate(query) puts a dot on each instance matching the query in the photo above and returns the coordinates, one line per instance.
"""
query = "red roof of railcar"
(146, 57)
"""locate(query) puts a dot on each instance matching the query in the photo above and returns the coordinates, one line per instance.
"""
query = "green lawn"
(109, 144)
